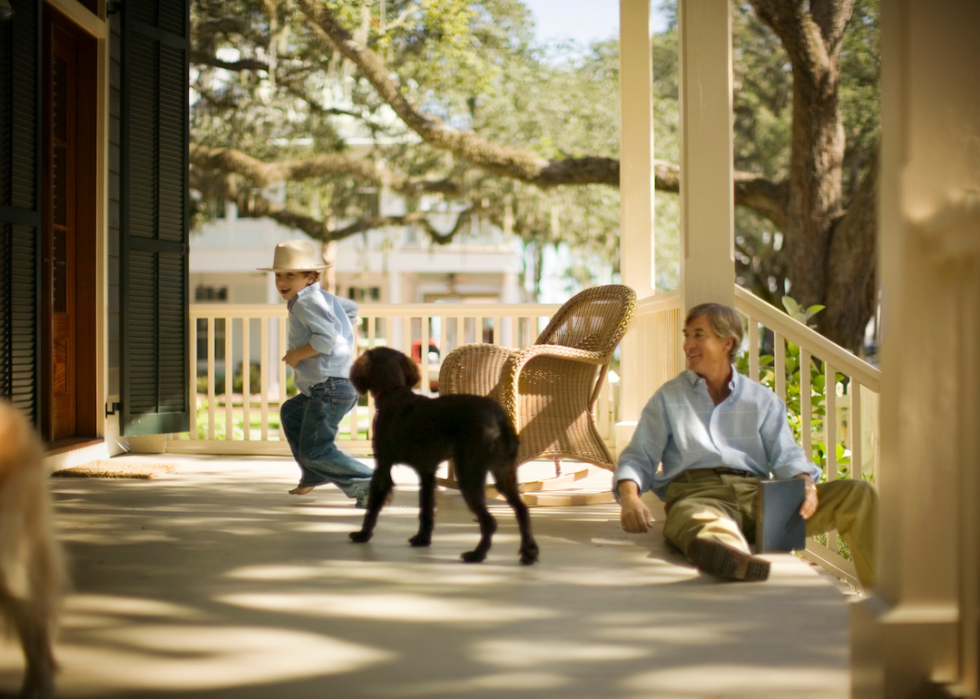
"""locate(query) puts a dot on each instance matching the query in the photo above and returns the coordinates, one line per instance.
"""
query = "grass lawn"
(255, 420)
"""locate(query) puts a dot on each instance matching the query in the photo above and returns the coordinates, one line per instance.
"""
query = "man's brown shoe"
(726, 562)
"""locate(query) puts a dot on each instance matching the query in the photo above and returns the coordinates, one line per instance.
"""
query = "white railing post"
(806, 405)
(830, 436)
(282, 372)
(830, 419)
(264, 376)
(192, 335)
(854, 430)
(246, 379)
(211, 397)
(424, 356)
(229, 368)
(779, 355)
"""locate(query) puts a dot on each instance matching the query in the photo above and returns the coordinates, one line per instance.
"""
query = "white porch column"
(636, 139)
(707, 179)
(636, 188)
(919, 636)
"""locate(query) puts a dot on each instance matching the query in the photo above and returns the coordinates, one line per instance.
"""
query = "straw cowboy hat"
(295, 256)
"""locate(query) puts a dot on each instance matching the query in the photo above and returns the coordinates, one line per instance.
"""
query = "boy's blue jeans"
(311, 424)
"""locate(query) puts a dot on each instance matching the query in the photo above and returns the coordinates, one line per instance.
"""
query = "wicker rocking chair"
(550, 389)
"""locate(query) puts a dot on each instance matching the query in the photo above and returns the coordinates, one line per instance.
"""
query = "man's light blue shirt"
(682, 429)
(324, 321)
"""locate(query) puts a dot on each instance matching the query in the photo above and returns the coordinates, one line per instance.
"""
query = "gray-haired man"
(716, 435)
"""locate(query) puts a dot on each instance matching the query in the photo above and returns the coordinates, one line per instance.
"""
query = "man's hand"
(294, 357)
(810, 500)
(635, 515)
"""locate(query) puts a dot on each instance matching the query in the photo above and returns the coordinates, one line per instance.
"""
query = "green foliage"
(471, 64)
(475, 65)
(220, 427)
(796, 312)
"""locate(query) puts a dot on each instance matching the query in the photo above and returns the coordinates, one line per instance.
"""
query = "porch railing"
(834, 395)
(225, 423)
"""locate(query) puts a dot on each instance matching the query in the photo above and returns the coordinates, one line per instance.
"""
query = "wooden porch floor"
(213, 582)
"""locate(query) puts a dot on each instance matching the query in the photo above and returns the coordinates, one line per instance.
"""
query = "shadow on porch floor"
(213, 582)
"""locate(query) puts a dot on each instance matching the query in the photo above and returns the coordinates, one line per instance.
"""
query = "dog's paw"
(360, 537)
(529, 555)
(420, 540)
(473, 557)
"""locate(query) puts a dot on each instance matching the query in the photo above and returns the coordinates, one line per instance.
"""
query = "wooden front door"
(60, 230)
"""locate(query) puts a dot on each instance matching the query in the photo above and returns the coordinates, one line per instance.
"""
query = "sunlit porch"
(214, 582)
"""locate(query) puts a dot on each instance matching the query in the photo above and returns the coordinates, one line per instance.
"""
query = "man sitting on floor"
(716, 434)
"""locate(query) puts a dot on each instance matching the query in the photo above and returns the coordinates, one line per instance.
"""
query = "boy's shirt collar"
(302, 292)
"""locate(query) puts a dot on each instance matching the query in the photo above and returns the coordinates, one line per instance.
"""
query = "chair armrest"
(522, 357)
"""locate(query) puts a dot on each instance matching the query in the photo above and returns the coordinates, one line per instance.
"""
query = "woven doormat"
(116, 469)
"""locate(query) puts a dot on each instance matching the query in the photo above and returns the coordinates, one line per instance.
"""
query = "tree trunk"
(814, 184)
(812, 35)
(851, 284)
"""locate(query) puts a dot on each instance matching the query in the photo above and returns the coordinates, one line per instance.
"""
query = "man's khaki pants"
(702, 503)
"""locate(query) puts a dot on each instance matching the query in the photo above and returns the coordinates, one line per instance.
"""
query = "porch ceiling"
(213, 582)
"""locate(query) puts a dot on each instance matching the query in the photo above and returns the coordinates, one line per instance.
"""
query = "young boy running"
(321, 351)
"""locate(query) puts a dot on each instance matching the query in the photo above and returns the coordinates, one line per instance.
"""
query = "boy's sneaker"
(727, 562)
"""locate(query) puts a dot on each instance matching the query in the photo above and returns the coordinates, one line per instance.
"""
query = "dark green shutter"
(20, 207)
(155, 359)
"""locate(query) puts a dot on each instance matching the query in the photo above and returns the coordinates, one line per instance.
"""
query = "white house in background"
(396, 265)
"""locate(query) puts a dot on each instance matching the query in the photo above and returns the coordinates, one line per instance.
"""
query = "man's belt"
(719, 471)
(735, 472)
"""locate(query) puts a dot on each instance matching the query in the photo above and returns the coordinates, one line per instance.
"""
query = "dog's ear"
(413, 377)
(359, 373)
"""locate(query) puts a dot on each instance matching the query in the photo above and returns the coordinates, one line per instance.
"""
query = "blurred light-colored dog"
(31, 571)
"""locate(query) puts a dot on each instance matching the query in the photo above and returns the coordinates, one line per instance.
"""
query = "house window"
(369, 202)
(363, 294)
(210, 293)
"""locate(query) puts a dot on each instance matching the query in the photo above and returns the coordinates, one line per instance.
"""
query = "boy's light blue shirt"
(683, 429)
(324, 321)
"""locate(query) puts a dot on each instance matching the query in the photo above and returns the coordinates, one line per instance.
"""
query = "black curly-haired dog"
(421, 432)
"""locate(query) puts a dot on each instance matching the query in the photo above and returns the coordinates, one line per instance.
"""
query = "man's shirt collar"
(693, 379)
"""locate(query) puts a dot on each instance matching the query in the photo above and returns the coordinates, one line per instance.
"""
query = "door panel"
(60, 229)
